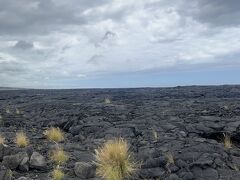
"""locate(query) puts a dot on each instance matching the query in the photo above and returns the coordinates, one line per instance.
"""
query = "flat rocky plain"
(183, 124)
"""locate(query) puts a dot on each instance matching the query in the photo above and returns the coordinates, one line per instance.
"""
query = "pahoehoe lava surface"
(187, 122)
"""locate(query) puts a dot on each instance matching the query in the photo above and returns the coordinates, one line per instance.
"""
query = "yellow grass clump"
(21, 139)
(58, 156)
(227, 141)
(113, 160)
(2, 139)
(54, 134)
(57, 174)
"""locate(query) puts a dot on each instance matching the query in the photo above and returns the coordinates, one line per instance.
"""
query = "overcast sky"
(118, 43)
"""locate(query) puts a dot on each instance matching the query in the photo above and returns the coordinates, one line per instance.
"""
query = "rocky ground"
(184, 124)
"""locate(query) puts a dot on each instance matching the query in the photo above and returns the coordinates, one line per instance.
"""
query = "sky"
(119, 43)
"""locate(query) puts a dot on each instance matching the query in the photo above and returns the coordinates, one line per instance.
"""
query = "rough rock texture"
(183, 124)
(13, 161)
(37, 161)
(85, 170)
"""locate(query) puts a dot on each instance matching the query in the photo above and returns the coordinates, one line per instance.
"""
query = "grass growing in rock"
(54, 134)
(170, 160)
(113, 160)
(227, 141)
(21, 139)
(2, 139)
(58, 174)
(8, 111)
(107, 101)
(1, 120)
(155, 135)
(59, 157)
(18, 111)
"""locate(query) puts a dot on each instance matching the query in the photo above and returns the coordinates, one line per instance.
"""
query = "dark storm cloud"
(215, 12)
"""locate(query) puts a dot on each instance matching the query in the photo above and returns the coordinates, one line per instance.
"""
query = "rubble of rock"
(188, 123)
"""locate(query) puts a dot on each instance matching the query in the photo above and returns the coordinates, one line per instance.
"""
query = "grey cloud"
(23, 45)
(166, 40)
(108, 35)
(41, 16)
(95, 60)
(149, 34)
(214, 12)
(45, 16)
(12, 68)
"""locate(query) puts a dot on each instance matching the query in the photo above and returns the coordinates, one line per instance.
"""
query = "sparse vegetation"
(227, 141)
(170, 158)
(21, 139)
(113, 160)
(2, 139)
(18, 111)
(155, 135)
(8, 111)
(59, 157)
(54, 134)
(108, 101)
(58, 174)
(1, 119)
(236, 168)
(226, 107)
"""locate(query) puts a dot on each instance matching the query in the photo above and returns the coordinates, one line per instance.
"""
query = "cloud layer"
(48, 42)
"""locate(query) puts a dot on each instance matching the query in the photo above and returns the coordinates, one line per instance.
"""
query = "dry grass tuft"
(18, 111)
(21, 139)
(1, 119)
(113, 160)
(2, 139)
(108, 101)
(59, 157)
(57, 174)
(227, 141)
(8, 111)
(54, 134)
(155, 135)
(170, 159)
